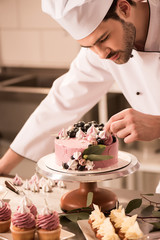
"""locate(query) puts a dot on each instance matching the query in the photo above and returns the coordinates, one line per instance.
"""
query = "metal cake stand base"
(78, 198)
(88, 181)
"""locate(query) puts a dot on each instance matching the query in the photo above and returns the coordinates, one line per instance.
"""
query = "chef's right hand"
(134, 126)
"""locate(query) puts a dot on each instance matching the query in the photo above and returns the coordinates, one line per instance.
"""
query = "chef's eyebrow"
(95, 41)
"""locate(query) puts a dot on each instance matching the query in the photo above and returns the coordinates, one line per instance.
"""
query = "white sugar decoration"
(26, 185)
(61, 184)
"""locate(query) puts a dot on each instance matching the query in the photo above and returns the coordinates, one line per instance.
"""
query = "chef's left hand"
(134, 126)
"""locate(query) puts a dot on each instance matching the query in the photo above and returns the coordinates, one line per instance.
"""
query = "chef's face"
(112, 39)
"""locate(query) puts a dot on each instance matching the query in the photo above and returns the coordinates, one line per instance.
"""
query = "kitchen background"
(35, 50)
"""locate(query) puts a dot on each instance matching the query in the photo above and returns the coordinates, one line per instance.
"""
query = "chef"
(120, 42)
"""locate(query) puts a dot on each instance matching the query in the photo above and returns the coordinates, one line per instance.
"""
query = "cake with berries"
(86, 146)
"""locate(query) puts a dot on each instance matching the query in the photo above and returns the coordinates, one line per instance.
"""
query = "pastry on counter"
(48, 225)
(5, 216)
(117, 226)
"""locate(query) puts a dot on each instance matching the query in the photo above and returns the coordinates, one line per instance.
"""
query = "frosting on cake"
(70, 145)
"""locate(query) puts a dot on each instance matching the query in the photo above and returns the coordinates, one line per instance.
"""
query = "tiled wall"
(29, 37)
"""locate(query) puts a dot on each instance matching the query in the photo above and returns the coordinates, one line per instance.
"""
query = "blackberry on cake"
(86, 143)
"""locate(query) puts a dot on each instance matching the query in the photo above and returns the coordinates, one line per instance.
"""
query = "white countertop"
(53, 200)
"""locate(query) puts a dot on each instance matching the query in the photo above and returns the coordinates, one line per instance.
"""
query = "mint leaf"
(89, 198)
(133, 204)
(156, 224)
(94, 157)
(94, 149)
(147, 211)
(74, 217)
(156, 214)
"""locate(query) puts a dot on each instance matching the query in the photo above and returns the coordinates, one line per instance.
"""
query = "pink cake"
(86, 147)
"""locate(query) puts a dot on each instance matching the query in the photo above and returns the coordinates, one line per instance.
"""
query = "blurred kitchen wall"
(29, 37)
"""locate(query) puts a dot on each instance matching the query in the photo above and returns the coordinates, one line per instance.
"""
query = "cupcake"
(23, 224)
(28, 203)
(96, 218)
(5, 216)
(48, 225)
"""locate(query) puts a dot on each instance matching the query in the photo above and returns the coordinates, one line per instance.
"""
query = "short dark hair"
(112, 11)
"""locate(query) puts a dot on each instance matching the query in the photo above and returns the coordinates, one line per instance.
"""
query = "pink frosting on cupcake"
(48, 220)
(23, 218)
(5, 211)
(28, 203)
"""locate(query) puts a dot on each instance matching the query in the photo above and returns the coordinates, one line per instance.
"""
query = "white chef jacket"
(89, 77)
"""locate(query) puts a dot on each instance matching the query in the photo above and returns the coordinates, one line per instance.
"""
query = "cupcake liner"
(23, 234)
(49, 235)
(5, 226)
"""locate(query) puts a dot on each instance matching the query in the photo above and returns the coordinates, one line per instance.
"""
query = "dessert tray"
(126, 165)
(89, 234)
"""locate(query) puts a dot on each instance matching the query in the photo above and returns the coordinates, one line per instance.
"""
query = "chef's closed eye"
(104, 39)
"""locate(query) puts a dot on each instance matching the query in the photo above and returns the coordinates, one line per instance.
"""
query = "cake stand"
(75, 199)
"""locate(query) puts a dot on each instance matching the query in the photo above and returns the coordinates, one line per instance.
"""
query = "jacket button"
(138, 93)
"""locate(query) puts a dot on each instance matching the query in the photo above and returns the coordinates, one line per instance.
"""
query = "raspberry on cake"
(86, 146)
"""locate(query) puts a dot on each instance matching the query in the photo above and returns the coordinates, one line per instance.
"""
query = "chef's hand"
(134, 126)
(9, 161)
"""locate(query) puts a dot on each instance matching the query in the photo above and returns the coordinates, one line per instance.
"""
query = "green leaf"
(74, 217)
(94, 149)
(89, 198)
(94, 157)
(147, 211)
(133, 204)
(156, 213)
(156, 224)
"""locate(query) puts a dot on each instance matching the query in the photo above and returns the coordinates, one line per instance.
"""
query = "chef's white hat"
(78, 17)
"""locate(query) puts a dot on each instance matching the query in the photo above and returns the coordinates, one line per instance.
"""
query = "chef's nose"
(101, 51)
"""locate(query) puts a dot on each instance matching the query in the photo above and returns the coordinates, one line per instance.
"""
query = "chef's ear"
(123, 9)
